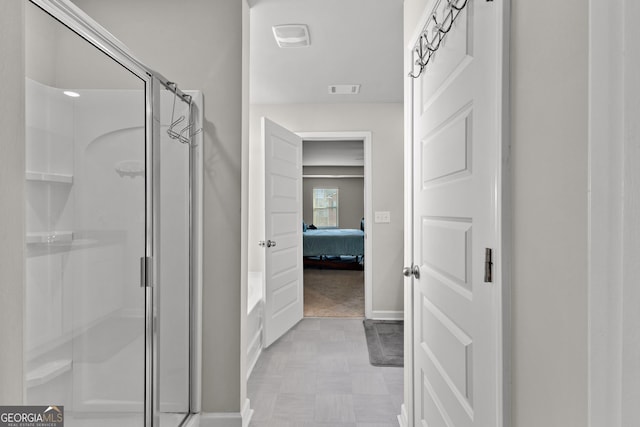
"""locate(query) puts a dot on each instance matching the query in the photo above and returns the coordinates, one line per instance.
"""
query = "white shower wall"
(85, 235)
(49, 120)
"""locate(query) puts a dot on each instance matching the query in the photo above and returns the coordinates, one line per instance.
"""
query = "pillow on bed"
(304, 226)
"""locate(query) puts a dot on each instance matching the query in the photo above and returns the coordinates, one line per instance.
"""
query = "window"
(325, 207)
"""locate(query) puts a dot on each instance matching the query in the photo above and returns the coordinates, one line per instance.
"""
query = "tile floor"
(318, 374)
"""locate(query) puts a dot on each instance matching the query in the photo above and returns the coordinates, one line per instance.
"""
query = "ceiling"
(352, 42)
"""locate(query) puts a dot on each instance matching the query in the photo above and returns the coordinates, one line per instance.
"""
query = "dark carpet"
(333, 293)
(385, 341)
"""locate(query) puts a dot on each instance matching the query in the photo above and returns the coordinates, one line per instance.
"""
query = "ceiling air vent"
(344, 89)
(291, 35)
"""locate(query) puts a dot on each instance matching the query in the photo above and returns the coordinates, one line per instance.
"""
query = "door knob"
(413, 270)
(271, 243)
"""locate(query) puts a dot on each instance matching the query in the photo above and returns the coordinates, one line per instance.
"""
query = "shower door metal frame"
(77, 21)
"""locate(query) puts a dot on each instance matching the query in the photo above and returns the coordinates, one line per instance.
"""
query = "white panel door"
(283, 230)
(457, 376)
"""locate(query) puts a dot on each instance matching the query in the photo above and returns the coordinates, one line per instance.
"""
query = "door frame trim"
(610, 239)
(366, 138)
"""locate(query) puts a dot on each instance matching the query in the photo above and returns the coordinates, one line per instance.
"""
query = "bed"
(333, 242)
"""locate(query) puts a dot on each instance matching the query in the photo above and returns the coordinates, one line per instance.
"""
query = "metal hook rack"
(186, 134)
(426, 46)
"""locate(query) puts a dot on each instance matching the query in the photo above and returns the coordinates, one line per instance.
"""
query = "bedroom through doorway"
(334, 223)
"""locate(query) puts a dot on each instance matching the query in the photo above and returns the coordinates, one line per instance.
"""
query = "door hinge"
(488, 265)
(145, 271)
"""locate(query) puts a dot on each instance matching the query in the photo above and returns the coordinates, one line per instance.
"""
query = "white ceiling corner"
(352, 42)
(333, 153)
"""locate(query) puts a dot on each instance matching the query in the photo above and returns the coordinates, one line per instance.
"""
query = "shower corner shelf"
(45, 373)
(60, 178)
(49, 237)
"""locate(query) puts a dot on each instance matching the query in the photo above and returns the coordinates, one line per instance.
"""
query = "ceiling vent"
(292, 35)
(344, 89)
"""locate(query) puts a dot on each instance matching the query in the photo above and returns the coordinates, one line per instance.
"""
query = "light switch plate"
(382, 217)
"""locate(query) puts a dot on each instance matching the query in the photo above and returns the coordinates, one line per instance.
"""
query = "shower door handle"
(145, 271)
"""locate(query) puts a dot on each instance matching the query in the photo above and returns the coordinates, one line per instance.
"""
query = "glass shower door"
(86, 229)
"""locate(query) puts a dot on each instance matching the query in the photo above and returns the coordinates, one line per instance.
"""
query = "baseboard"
(387, 315)
(224, 419)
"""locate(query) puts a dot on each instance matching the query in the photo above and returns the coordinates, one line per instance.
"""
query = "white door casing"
(367, 142)
(457, 318)
(283, 230)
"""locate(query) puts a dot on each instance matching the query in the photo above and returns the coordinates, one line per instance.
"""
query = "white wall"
(549, 148)
(385, 121)
(12, 141)
(630, 390)
(549, 192)
(614, 336)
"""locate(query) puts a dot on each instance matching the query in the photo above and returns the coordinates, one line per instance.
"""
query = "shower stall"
(113, 170)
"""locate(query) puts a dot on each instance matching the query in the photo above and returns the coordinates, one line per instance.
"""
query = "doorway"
(336, 209)
(333, 231)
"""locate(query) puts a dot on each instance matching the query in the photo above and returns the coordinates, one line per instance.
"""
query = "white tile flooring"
(318, 374)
